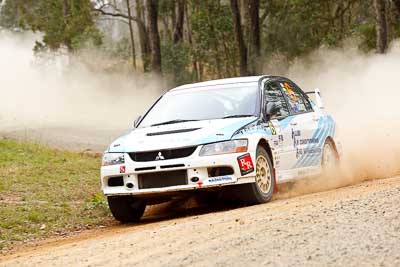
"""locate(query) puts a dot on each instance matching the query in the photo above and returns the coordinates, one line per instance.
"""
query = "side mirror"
(271, 109)
(136, 123)
(318, 98)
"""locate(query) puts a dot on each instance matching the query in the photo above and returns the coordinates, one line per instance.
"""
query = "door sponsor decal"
(303, 151)
(295, 133)
(309, 141)
(245, 164)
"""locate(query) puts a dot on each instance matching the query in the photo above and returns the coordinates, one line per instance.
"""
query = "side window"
(306, 99)
(274, 95)
(295, 98)
(308, 104)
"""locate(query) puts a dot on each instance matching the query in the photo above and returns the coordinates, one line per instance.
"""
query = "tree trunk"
(253, 22)
(195, 72)
(381, 26)
(173, 17)
(239, 38)
(201, 71)
(143, 37)
(178, 29)
(66, 13)
(131, 35)
(397, 4)
(152, 15)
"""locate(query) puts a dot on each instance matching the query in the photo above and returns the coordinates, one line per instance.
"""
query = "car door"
(305, 126)
(286, 154)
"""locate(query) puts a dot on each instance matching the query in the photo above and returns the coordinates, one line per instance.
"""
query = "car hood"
(179, 135)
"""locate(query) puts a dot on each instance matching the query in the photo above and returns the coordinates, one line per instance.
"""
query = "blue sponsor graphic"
(311, 150)
(264, 129)
(220, 179)
(322, 125)
(259, 128)
(326, 127)
(225, 133)
(285, 122)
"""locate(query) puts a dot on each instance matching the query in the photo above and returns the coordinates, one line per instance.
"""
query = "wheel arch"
(264, 144)
(330, 140)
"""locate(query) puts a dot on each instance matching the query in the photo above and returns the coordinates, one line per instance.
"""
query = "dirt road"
(351, 226)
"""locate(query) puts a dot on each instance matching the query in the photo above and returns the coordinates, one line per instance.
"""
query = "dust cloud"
(360, 90)
(63, 92)
(362, 93)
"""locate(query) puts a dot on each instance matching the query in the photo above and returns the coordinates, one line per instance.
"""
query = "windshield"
(208, 103)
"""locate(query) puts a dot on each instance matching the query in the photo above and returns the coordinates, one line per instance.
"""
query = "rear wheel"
(329, 158)
(126, 208)
(262, 190)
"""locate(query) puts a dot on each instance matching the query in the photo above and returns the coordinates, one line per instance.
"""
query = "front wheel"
(126, 208)
(262, 190)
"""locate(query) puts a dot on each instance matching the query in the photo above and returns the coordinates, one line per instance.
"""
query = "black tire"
(256, 193)
(330, 161)
(126, 209)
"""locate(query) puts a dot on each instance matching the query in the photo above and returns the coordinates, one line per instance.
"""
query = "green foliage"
(297, 27)
(213, 38)
(97, 201)
(367, 33)
(289, 28)
(11, 14)
(118, 48)
(175, 61)
(43, 190)
(64, 23)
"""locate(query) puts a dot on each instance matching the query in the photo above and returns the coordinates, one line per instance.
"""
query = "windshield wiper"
(238, 116)
(171, 122)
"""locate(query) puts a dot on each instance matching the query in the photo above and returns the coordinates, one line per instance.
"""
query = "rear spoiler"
(318, 97)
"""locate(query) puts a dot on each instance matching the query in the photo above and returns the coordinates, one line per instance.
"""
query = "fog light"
(194, 179)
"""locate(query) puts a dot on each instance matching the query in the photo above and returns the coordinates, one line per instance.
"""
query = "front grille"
(162, 154)
(162, 179)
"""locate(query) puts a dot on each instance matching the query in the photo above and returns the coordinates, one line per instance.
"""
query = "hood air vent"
(173, 131)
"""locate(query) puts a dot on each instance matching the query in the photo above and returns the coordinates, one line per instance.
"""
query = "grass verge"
(45, 191)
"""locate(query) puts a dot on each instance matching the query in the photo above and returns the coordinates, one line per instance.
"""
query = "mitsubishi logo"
(160, 156)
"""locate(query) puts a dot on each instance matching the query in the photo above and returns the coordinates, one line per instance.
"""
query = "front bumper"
(194, 165)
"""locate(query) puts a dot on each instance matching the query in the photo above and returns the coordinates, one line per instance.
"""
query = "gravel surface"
(357, 225)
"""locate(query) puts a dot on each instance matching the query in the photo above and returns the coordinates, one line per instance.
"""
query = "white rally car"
(250, 132)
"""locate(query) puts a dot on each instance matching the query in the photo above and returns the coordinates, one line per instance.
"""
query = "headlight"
(113, 159)
(226, 147)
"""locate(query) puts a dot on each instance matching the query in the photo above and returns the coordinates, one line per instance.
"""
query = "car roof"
(248, 79)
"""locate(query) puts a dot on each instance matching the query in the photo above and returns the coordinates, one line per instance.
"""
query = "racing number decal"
(272, 127)
(245, 164)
